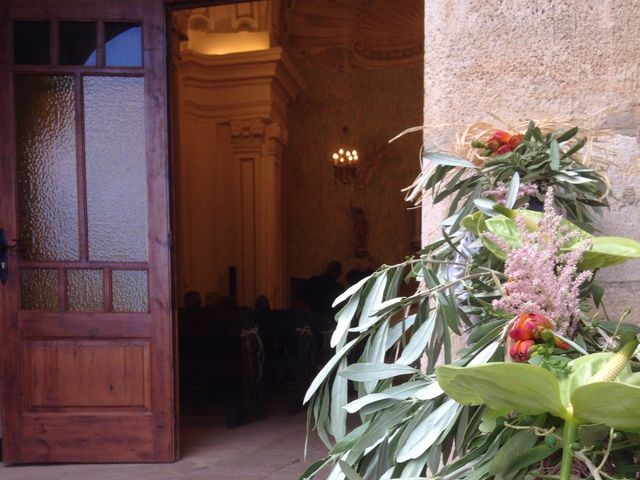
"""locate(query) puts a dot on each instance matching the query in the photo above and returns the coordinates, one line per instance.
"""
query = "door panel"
(86, 313)
(59, 375)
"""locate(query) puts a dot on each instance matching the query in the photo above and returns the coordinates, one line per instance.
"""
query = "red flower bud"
(503, 149)
(520, 350)
(493, 145)
(528, 326)
(500, 136)
(515, 141)
(560, 344)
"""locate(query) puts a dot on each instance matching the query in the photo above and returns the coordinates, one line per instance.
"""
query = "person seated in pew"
(323, 289)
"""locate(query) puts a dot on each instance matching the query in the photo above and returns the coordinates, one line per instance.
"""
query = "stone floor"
(271, 449)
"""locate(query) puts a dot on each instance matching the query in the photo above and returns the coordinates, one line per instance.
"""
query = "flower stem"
(569, 437)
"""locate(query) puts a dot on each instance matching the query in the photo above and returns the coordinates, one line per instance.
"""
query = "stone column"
(257, 148)
(232, 128)
(521, 59)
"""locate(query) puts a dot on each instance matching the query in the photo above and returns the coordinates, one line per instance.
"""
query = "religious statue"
(360, 231)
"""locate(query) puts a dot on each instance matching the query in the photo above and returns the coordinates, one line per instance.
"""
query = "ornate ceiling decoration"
(375, 33)
(368, 33)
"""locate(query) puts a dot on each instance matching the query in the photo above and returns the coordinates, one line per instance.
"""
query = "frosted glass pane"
(39, 289)
(116, 170)
(84, 290)
(46, 157)
(129, 291)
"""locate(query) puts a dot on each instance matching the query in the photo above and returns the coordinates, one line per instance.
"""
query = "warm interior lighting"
(345, 164)
(225, 43)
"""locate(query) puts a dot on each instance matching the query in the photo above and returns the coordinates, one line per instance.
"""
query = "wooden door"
(86, 313)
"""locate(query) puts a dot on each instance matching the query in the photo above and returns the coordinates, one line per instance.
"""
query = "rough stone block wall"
(521, 59)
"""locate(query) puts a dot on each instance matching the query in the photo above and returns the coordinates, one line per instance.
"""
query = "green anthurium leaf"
(494, 248)
(603, 251)
(532, 218)
(504, 228)
(608, 251)
(525, 388)
(582, 369)
(474, 223)
(613, 403)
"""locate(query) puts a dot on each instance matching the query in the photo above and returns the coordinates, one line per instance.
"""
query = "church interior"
(285, 187)
(188, 186)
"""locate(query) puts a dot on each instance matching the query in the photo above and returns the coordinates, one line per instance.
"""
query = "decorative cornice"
(274, 64)
(237, 86)
(257, 134)
(247, 127)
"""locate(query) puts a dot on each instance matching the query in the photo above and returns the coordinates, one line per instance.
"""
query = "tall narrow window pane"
(116, 168)
(46, 157)
(77, 43)
(31, 43)
(123, 44)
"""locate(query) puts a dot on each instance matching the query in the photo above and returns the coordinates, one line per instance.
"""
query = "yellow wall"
(207, 199)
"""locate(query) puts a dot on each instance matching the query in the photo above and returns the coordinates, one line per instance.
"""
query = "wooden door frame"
(163, 418)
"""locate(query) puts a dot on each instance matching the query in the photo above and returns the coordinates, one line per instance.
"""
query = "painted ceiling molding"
(365, 33)
(374, 33)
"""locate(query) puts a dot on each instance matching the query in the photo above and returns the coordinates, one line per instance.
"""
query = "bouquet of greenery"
(537, 391)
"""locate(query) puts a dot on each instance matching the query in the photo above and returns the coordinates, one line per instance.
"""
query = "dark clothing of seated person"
(323, 289)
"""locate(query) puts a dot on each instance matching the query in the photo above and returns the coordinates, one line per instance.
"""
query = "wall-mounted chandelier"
(345, 165)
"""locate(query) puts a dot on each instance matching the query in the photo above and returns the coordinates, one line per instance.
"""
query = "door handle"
(4, 256)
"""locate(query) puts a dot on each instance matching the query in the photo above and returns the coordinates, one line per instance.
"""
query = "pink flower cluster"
(540, 279)
(499, 193)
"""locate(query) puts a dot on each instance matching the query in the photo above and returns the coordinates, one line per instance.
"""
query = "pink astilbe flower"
(499, 193)
(540, 279)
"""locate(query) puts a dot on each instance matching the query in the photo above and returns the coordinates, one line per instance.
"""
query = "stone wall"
(520, 59)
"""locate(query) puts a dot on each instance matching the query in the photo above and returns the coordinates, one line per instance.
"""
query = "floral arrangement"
(537, 390)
